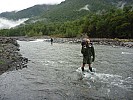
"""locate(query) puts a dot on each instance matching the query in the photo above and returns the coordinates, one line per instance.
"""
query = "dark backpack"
(83, 43)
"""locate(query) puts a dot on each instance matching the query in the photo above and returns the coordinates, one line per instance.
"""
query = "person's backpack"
(83, 43)
(83, 50)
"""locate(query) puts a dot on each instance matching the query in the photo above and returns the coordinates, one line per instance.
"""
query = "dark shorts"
(87, 60)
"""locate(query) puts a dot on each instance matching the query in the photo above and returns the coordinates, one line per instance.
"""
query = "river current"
(51, 74)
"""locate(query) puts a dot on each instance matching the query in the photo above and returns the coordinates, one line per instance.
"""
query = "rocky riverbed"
(100, 41)
(10, 58)
(53, 73)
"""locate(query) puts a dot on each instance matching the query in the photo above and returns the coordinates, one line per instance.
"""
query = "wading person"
(51, 41)
(88, 53)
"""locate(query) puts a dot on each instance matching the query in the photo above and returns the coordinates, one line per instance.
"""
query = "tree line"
(116, 23)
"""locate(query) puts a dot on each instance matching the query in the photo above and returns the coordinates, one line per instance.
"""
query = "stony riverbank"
(114, 42)
(100, 41)
(10, 58)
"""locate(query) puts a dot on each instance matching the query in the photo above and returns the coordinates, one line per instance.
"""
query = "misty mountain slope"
(7, 24)
(67, 10)
(26, 13)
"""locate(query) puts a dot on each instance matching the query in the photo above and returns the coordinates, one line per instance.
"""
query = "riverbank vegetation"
(116, 23)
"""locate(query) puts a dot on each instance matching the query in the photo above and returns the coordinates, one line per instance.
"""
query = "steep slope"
(75, 9)
(67, 10)
(71, 9)
(26, 13)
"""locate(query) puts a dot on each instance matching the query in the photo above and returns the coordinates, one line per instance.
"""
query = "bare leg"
(90, 68)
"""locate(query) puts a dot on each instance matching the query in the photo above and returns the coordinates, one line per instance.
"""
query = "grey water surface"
(51, 74)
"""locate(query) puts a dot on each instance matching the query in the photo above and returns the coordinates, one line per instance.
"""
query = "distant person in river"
(51, 41)
(88, 53)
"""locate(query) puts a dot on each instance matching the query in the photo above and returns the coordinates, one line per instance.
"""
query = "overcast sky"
(11, 5)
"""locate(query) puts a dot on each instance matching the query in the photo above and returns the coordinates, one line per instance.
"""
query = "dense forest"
(116, 23)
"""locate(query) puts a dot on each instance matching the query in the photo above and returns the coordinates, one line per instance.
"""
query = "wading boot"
(90, 68)
(82, 68)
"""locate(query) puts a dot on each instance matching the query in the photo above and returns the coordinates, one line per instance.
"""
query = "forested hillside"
(72, 18)
(75, 9)
(67, 10)
(34, 11)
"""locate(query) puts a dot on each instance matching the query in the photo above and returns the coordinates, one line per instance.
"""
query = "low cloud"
(7, 24)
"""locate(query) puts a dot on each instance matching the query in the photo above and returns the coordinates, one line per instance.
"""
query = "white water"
(128, 53)
(52, 74)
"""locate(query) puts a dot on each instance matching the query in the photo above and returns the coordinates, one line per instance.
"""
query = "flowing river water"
(51, 74)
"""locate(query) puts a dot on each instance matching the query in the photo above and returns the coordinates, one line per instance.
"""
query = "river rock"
(10, 57)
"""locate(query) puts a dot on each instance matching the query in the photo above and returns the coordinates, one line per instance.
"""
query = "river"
(51, 74)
